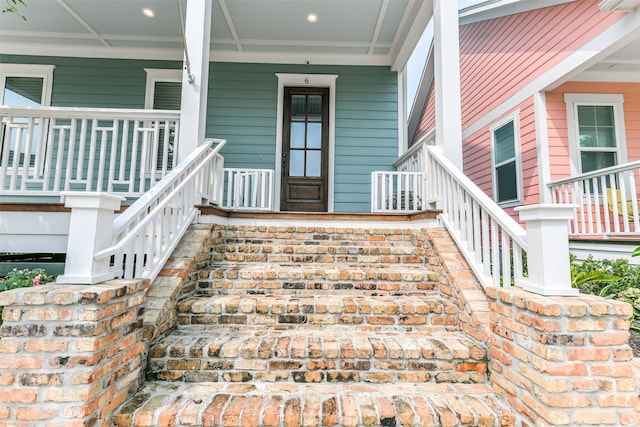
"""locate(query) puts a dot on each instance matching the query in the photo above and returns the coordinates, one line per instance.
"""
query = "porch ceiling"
(376, 32)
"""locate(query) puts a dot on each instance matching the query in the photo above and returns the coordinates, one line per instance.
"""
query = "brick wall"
(70, 354)
(561, 360)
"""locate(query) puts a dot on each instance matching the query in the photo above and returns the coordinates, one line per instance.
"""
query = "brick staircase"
(310, 326)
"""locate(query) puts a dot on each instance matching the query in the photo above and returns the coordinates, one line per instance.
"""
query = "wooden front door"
(305, 141)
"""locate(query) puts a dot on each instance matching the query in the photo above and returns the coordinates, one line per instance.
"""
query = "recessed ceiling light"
(312, 17)
(148, 12)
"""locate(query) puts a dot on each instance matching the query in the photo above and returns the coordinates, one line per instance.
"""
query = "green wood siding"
(242, 108)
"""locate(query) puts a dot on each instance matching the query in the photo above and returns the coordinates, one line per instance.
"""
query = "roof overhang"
(353, 32)
(619, 5)
(492, 9)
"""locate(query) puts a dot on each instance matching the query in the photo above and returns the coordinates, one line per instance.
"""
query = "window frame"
(29, 70)
(514, 119)
(573, 101)
(158, 75)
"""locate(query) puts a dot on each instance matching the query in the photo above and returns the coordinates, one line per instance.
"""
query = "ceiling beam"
(82, 22)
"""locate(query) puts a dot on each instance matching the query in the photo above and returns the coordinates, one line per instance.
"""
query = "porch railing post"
(90, 231)
(548, 249)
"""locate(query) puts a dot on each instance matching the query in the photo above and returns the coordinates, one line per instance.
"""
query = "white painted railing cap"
(547, 211)
(91, 200)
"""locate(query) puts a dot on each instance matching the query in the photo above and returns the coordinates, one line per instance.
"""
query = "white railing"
(248, 189)
(413, 159)
(493, 243)
(607, 199)
(397, 191)
(48, 150)
(147, 232)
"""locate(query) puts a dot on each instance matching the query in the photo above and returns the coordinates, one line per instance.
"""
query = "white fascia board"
(498, 8)
(607, 42)
(420, 100)
(608, 76)
(405, 42)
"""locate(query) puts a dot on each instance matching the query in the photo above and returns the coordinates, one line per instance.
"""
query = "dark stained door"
(305, 141)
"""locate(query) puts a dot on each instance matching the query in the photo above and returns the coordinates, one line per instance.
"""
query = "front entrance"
(305, 142)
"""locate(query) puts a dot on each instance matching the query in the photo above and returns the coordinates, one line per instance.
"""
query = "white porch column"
(548, 249)
(194, 94)
(447, 79)
(90, 231)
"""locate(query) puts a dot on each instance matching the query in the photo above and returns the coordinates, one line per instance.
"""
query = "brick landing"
(294, 405)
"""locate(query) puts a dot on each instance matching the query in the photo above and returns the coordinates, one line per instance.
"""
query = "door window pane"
(297, 135)
(314, 162)
(296, 163)
(315, 108)
(298, 107)
(314, 135)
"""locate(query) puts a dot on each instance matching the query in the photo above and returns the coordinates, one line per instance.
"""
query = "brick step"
(349, 309)
(317, 356)
(291, 404)
(263, 278)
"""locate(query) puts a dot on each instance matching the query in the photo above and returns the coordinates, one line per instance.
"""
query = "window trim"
(572, 101)
(513, 118)
(29, 70)
(158, 75)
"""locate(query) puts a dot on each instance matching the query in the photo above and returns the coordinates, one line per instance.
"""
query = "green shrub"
(624, 275)
(23, 279)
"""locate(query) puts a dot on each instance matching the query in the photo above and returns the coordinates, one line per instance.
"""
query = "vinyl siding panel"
(366, 124)
(500, 56)
(557, 120)
(428, 118)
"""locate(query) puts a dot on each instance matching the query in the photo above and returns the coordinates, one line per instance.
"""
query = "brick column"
(70, 354)
(563, 360)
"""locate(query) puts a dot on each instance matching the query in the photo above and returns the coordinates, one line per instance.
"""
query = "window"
(163, 92)
(506, 162)
(596, 131)
(23, 85)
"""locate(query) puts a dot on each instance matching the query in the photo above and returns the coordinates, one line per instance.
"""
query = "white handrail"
(48, 150)
(607, 199)
(492, 242)
(147, 232)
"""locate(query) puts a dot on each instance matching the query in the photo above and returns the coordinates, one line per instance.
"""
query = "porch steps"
(364, 340)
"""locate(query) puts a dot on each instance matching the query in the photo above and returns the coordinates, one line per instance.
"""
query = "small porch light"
(149, 13)
(312, 18)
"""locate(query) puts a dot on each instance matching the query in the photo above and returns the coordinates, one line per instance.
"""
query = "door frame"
(305, 80)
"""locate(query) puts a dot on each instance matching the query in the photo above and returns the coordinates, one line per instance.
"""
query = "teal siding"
(242, 109)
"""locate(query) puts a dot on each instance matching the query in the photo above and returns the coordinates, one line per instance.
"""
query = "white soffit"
(492, 9)
(363, 32)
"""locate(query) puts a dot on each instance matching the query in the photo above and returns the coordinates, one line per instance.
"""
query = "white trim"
(402, 112)
(608, 76)
(499, 8)
(572, 101)
(309, 80)
(542, 146)
(158, 75)
(604, 44)
(29, 70)
(513, 118)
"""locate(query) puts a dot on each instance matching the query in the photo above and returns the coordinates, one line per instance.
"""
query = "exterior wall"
(500, 56)
(561, 360)
(477, 153)
(243, 103)
(70, 354)
(557, 120)
(242, 108)
(428, 118)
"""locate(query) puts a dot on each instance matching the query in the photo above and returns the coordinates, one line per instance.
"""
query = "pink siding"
(428, 117)
(557, 121)
(500, 56)
(477, 157)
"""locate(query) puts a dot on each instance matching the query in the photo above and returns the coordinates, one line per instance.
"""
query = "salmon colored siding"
(500, 56)
(428, 118)
(477, 156)
(557, 120)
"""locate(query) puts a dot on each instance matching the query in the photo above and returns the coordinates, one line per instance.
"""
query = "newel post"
(90, 231)
(548, 248)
